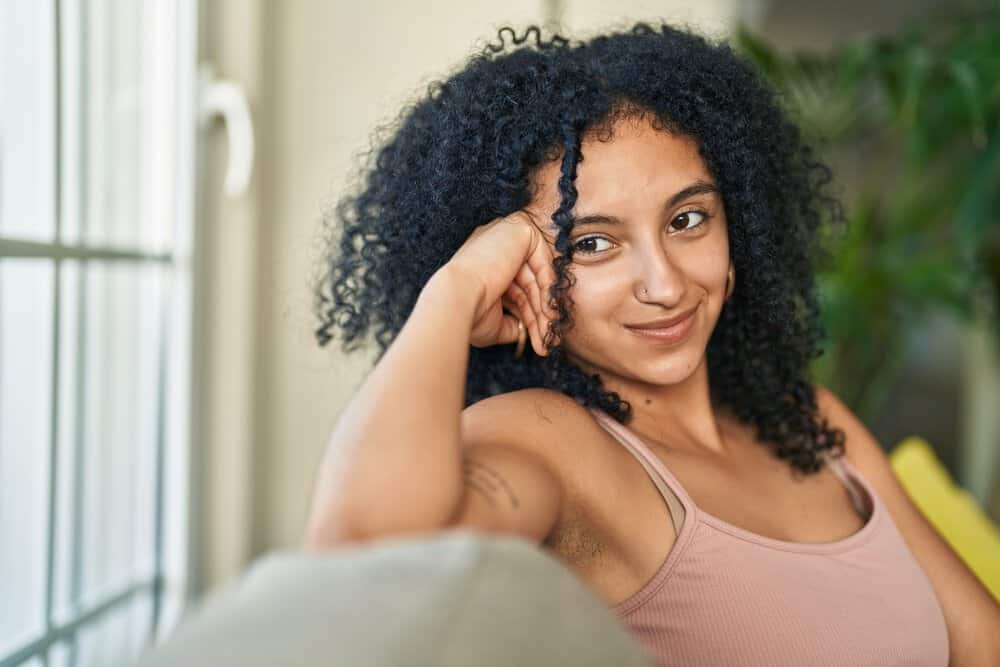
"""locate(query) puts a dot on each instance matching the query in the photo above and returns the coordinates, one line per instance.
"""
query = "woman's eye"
(586, 244)
(700, 219)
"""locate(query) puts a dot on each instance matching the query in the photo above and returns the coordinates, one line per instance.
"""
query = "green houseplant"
(918, 111)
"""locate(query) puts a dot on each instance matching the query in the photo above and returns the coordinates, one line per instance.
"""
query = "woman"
(639, 208)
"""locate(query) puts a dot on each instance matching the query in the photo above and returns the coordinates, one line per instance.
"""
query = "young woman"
(641, 210)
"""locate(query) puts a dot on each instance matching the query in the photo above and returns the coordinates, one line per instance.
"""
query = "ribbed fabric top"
(727, 596)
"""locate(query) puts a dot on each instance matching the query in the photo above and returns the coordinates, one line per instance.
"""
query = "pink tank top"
(727, 596)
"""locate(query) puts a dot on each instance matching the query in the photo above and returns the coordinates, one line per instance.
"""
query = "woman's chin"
(670, 368)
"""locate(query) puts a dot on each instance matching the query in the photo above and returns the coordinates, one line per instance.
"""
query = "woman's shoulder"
(534, 407)
(540, 419)
(564, 432)
(535, 396)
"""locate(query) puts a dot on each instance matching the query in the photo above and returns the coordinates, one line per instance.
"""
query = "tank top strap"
(862, 495)
(842, 468)
(678, 501)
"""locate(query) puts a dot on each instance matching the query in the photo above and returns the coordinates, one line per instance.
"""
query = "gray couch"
(457, 598)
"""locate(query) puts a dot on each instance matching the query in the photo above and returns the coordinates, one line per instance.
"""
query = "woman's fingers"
(526, 296)
(526, 312)
(528, 315)
(540, 262)
(508, 324)
(509, 329)
(525, 279)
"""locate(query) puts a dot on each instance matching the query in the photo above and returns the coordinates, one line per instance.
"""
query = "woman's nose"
(660, 279)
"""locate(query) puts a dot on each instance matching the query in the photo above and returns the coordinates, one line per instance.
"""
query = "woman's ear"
(730, 281)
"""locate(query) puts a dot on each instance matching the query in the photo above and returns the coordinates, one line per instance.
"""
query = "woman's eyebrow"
(696, 188)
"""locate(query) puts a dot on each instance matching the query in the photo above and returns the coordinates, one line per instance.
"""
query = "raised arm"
(396, 462)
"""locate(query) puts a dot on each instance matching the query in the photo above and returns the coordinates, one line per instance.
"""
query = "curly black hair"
(464, 154)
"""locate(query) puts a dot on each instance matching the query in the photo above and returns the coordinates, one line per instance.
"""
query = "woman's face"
(670, 238)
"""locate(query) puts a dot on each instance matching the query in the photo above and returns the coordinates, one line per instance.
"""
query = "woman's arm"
(394, 454)
(394, 462)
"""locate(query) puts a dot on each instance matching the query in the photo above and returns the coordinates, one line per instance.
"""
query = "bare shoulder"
(557, 429)
(971, 613)
(546, 425)
(542, 421)
(512, 471)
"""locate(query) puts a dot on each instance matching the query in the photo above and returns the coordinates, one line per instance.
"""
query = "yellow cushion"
(952, 510)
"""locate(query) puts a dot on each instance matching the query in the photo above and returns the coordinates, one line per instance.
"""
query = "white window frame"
(177, 395)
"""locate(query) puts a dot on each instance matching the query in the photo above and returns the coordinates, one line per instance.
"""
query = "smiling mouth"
(670, 334)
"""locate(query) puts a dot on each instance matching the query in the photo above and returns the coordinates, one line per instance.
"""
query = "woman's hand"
(508, 261)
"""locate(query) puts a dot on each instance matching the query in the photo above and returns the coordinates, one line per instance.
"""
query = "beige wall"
(320, 76)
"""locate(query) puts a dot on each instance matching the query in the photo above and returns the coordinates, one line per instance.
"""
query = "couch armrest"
(455, 598)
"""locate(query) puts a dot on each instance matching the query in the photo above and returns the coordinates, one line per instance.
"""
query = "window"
(96, 179)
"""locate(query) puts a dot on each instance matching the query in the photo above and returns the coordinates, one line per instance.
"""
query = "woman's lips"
(670, 334)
